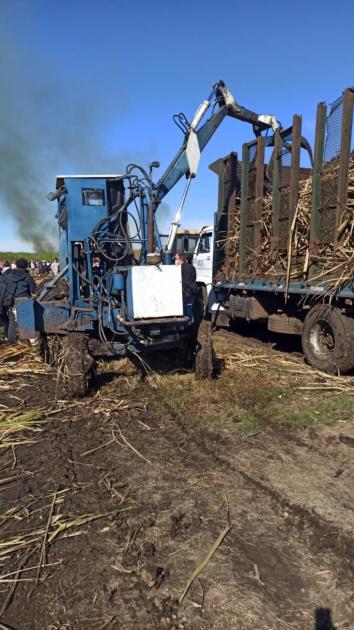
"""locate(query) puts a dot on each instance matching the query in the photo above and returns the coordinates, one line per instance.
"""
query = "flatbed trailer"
(278, 259)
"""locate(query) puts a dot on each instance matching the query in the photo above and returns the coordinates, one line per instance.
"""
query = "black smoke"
(52, 121)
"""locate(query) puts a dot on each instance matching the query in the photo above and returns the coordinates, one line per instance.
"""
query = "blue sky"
(90, 86)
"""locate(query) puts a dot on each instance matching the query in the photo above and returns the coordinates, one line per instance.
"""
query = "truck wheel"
(204, 358)
(328, 339)
(78, 367)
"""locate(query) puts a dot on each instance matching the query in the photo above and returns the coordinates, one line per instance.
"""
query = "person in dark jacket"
(5, 267)
(189, 282)
(17, 283)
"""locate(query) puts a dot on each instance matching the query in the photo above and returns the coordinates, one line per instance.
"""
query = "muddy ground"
(109, 504)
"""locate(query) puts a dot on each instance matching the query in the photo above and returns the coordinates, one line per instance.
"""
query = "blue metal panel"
(25, 318)
(129, 295)
(33, 317)
(51, 317)
(63, 248)
(83, 218)
(111, 320)
(279, 287)
(118, 282)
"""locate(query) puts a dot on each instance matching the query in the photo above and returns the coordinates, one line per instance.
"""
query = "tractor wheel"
(328, 339)
(204, 358)
(78, 366)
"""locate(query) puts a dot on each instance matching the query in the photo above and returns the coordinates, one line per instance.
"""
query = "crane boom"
(187, 159)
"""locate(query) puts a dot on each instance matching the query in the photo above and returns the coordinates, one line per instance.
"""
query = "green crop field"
(12, 256)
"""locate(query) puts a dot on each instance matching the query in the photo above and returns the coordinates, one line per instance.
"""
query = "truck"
(281, 250)
(118, 292)
(185, 242)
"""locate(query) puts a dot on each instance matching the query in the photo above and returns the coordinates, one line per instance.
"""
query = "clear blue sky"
(89, 86)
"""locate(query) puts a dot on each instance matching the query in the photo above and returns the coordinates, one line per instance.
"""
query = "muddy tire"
(78, 367)
(204, 358)
(328, 339)
(201, 303)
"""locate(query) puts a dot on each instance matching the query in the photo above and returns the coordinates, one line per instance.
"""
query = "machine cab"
(203, 257)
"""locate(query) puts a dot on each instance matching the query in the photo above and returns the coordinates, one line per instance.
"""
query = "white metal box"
(154, 291)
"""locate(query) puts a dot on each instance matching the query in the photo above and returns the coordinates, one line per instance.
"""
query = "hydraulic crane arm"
(197, 137)
(187, 159)
(260, 122)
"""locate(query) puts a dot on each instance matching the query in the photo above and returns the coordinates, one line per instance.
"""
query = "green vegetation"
(246, 404)
(249, 399)
(12, 256)
(316, 409)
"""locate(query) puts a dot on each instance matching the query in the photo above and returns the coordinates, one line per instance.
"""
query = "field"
(13, 256)
(165, 502)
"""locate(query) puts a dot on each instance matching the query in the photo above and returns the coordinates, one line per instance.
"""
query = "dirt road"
(112, 502)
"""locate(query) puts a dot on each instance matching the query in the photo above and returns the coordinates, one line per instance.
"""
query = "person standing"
(4, 269)
(189, 282)
(4, 266)
(54, 267)
(17, 283)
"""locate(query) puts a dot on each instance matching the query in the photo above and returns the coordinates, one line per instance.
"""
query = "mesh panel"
(253, 152)
(286, 159)
(333, 130)
(330, 172)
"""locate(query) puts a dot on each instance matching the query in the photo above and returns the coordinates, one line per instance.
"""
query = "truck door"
(203, 258)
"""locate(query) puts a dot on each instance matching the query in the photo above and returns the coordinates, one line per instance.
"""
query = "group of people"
(15, 282)
(43, 267)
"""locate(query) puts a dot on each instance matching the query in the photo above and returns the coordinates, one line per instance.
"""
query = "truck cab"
(185, 242)
(203, 257)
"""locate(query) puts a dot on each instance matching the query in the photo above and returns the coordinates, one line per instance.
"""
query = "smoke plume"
(51, 122)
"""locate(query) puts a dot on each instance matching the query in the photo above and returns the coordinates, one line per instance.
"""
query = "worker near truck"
(17, 283)
(189, 281)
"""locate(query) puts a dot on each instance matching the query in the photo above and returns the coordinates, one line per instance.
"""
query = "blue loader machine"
(118, 292)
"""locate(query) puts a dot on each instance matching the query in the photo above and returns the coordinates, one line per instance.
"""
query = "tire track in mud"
(312, 445)
(201, 448)
(305, 522)
(170, 502)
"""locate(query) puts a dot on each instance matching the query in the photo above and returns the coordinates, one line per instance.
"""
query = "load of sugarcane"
(333, 265)
(230, 241)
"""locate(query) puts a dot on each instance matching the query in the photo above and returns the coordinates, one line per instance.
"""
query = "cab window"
(204, 244)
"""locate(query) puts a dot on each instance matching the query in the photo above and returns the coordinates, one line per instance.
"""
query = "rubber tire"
(204, 358)
(341, 359)
(78, 366)
(201, 304)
